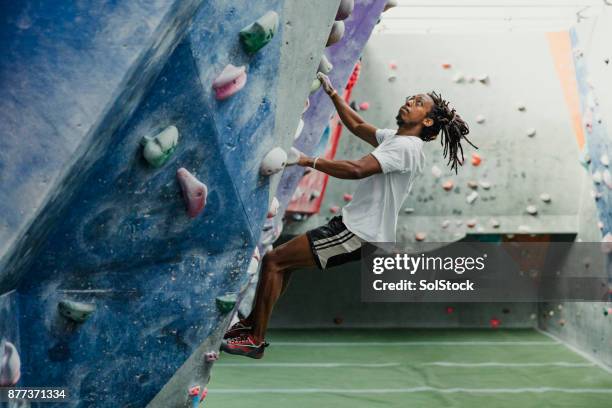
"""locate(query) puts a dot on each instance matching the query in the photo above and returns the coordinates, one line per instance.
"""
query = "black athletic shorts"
(333, 244)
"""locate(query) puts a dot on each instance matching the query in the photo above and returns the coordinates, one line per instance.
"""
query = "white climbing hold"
(435, 171)
(391, 77)
(253, 266)
(494, 223)
(545, 197)
(270, 235)
(273, 162)
(605, 160)
(231, 80)
(390, 4)
(325, 66)
(524, 228)
(293, 156)
(157, 149)
(78, 312)
(597, 177)
(606, 243)
(345, 9)
(607, 179)
(472, 184)
(531, 132)
(532, 209)
(409, 210)
(10, 364)
(273, 209)
(483, 78)
(336, 34)
(521, 107)
(600, 225)
(306, 106)
(315, 85)
(194, 192)
(445, 224)
(299, 129)
(459, 78)
(484, 184)
(480, 119)
(471, 197)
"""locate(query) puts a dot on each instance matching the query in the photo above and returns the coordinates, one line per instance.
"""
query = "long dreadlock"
(452, 127)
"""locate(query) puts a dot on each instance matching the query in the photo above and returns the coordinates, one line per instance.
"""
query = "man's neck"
(409, 131)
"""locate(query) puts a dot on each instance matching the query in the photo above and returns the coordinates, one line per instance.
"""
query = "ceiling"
(457, 16)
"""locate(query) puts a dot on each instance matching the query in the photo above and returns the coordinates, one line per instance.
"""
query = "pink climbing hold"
(211, 356)
(420, 236)
(494, 322)
(10, 365)
(393, 65)
(334, 209)
(231, 80)
(450, 309)
(194, 192)
(194, 391)
(347, 197)
(364, 106)
(448, 185)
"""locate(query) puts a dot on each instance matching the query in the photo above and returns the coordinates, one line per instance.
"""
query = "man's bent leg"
(276, 266)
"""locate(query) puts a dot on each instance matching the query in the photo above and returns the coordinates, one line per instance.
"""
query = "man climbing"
(385, 176)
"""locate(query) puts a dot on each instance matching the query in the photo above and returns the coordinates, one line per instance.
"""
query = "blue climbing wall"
(85, 218)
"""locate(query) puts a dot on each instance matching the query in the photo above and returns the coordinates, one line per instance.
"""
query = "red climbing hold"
(194, 192)
(364, 106)
(450, 309)
(494, 322)
(476, 159)
(334, 209)
(347, 197)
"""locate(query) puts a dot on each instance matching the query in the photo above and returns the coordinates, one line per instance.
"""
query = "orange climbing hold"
(476, 159)
(446, 65)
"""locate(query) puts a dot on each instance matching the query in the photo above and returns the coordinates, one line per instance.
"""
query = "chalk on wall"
(293, 156)
(255, 36)
(158, 149)
(231, 80)
(194, 192)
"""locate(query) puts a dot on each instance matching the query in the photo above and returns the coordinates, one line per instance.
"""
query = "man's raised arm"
(353, 122)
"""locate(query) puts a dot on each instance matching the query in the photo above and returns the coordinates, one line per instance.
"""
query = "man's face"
(415, 110)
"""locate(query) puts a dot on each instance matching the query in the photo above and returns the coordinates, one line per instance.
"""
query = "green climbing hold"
(158, 149)
(226, 303)
(76, 311)
(315, 85)
(256, 35)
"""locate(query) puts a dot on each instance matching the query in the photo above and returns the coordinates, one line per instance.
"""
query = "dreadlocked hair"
(452, 127)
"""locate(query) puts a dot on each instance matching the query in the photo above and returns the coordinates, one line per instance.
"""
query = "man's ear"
(428, 122)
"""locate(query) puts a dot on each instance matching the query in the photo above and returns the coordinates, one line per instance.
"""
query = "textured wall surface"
(85, 218)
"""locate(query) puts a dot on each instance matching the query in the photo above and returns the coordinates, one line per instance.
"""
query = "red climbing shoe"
(238, 329)
(244, 346)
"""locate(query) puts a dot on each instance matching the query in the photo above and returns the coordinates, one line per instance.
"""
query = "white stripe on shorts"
(345, 247)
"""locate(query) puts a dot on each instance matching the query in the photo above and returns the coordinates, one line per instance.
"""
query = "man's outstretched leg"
(276, 268)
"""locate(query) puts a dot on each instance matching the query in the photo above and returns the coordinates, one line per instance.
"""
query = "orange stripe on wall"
(561, 51)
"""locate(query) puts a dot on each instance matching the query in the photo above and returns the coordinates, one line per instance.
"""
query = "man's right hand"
(326, 83)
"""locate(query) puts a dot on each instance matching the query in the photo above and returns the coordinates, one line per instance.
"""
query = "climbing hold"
(336, 34)
(253, 265)
(226, 303)
(605, 160)
(76, 311)
(600, 225)
(484, 184)
(471, 223)
(271, 233)
(545, 197)
(459, 78)
(325, 66)
(306, 106)
(293, 156)
(194, 192)
(347, 197)
(494, 223)
(450, 309)
(231, 80)
(256, 35)
(562, 322)
(607, 178)
(471, 197)
(435, 171)
(273, 162)
(364, 106)
(345, 9)
(531, 132)
(597, 177)
(480, 119)
(551, 313)
(606, 243)
(521, 107)
(445, 224)
(10, 364)
(472, 184)
(390, 4)
(420, 236)
(448, 185)
(476, 159)
(158, 149)
(409, 210)
(211, 356)
(532, 209)
(256, 254)
(494, 322)
(446, 65)
(315, 85)
(273, 209)
(483, 78)
(391, 77)
(393, 65)
(338, 320)
(560, 307)
(334, 209)
(607, 311)
(532, 316)
(506, 310)
(197, 396)
(299, 129)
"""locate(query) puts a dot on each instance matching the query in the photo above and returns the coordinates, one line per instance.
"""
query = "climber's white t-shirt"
(372, 213)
